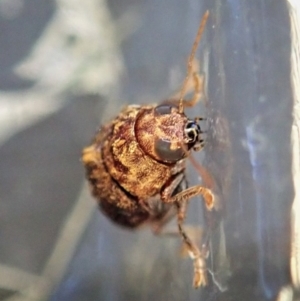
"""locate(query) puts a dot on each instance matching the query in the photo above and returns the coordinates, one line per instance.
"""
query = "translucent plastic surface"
(50, 229)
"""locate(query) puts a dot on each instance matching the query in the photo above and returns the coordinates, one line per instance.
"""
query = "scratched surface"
(54, 245)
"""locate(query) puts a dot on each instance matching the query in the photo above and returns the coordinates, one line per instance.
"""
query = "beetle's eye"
(162, 148)
(192, 131)
(163, 109)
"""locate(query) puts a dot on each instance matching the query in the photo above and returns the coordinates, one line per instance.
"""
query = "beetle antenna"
(191, 59)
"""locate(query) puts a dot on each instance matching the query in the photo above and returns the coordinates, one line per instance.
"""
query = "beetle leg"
(199, 256)
(145, 205)
(195, 84)
(177, 184)
(170, 188)
(177, 169)
(198, 93)
(198, 90)
(190, 192)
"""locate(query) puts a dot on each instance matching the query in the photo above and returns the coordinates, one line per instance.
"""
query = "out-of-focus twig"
(14, 279)
(62, 253)
(78, 52)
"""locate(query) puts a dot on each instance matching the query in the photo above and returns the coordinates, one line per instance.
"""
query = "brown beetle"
(136, 164)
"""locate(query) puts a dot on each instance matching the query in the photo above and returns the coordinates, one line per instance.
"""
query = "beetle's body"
(136, 164)
(122, 165)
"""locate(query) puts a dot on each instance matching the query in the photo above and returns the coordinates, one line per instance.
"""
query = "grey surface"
(245, 54)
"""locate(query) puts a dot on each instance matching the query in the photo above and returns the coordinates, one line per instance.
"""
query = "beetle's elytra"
(136, 164)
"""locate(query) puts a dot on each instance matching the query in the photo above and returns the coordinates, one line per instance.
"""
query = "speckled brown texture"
(136, 164)
(123, 168)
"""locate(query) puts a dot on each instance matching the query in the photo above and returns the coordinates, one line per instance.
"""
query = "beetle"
(136, 164)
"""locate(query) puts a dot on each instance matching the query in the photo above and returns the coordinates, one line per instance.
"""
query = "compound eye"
(192, 131)
(165, 153)
(163, 109)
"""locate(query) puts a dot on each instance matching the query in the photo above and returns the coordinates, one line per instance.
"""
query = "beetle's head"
(166, 134)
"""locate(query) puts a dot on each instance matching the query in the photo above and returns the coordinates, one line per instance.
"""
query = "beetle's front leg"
(193, 191)
(176, 184)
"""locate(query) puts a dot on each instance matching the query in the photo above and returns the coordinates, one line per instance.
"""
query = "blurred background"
(67, 66)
